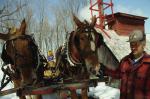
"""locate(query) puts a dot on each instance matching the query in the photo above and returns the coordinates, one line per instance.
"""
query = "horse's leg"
(84, 92)
(22, 97)
(32, 97)
(37, 97)
(17, 83)
(73, 94)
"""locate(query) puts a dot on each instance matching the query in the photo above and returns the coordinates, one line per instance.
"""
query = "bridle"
(90, 32)
(17, 54)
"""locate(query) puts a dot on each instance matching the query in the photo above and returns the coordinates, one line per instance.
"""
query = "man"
(134, 69)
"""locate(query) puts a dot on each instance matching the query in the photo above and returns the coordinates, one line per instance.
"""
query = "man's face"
(137, 48)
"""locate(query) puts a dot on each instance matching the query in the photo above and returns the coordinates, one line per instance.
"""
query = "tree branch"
(1, 11)
(9, 14)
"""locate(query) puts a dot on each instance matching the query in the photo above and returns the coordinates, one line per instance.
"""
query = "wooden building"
(124, 23)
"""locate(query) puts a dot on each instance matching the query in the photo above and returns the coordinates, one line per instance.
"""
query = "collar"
(145, 57)
(136, 60)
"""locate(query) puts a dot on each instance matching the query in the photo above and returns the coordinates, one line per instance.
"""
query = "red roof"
(127, 15)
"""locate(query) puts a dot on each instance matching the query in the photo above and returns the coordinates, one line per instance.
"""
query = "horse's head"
(84, 41)
(21, 52)
(14, 32)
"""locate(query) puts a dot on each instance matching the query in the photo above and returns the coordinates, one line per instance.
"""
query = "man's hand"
(95, 70)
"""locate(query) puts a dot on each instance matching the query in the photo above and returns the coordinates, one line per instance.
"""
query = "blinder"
(95, 39)
(92, 34)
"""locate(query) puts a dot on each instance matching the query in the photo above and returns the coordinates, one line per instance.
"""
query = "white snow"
(104, 92)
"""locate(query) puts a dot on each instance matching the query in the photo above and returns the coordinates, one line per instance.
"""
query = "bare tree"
(47, 32)
(7, 16)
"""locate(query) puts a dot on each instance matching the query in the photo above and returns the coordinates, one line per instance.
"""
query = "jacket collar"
(145, 58)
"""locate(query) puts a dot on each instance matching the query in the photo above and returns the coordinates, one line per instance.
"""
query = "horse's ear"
(23, 27)
(93, 21)
(77, 21)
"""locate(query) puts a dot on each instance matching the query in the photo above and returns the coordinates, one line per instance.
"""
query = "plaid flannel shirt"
(135, 77)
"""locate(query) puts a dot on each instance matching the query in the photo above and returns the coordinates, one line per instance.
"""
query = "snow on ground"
(104, 92)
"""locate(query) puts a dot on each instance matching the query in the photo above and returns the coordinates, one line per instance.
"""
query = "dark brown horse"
(79, 54)
(21, 52)
(99, 52)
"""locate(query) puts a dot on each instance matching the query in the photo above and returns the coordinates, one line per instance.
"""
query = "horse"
(79, 54)
(103, 55)
(21, 52)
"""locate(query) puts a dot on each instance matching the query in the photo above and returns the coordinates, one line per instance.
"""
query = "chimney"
(124, 23)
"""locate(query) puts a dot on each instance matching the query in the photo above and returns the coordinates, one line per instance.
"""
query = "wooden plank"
(8, 91)
(54, 88)
(41, 90)
(29, 90)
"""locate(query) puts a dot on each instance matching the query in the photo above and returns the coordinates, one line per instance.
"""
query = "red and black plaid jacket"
(135, 77)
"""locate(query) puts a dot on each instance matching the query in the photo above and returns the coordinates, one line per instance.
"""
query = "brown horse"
(79, 54)
(102, 54)
(21, 52)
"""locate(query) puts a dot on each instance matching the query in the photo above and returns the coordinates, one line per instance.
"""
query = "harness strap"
(73, 61)
(6, 77)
